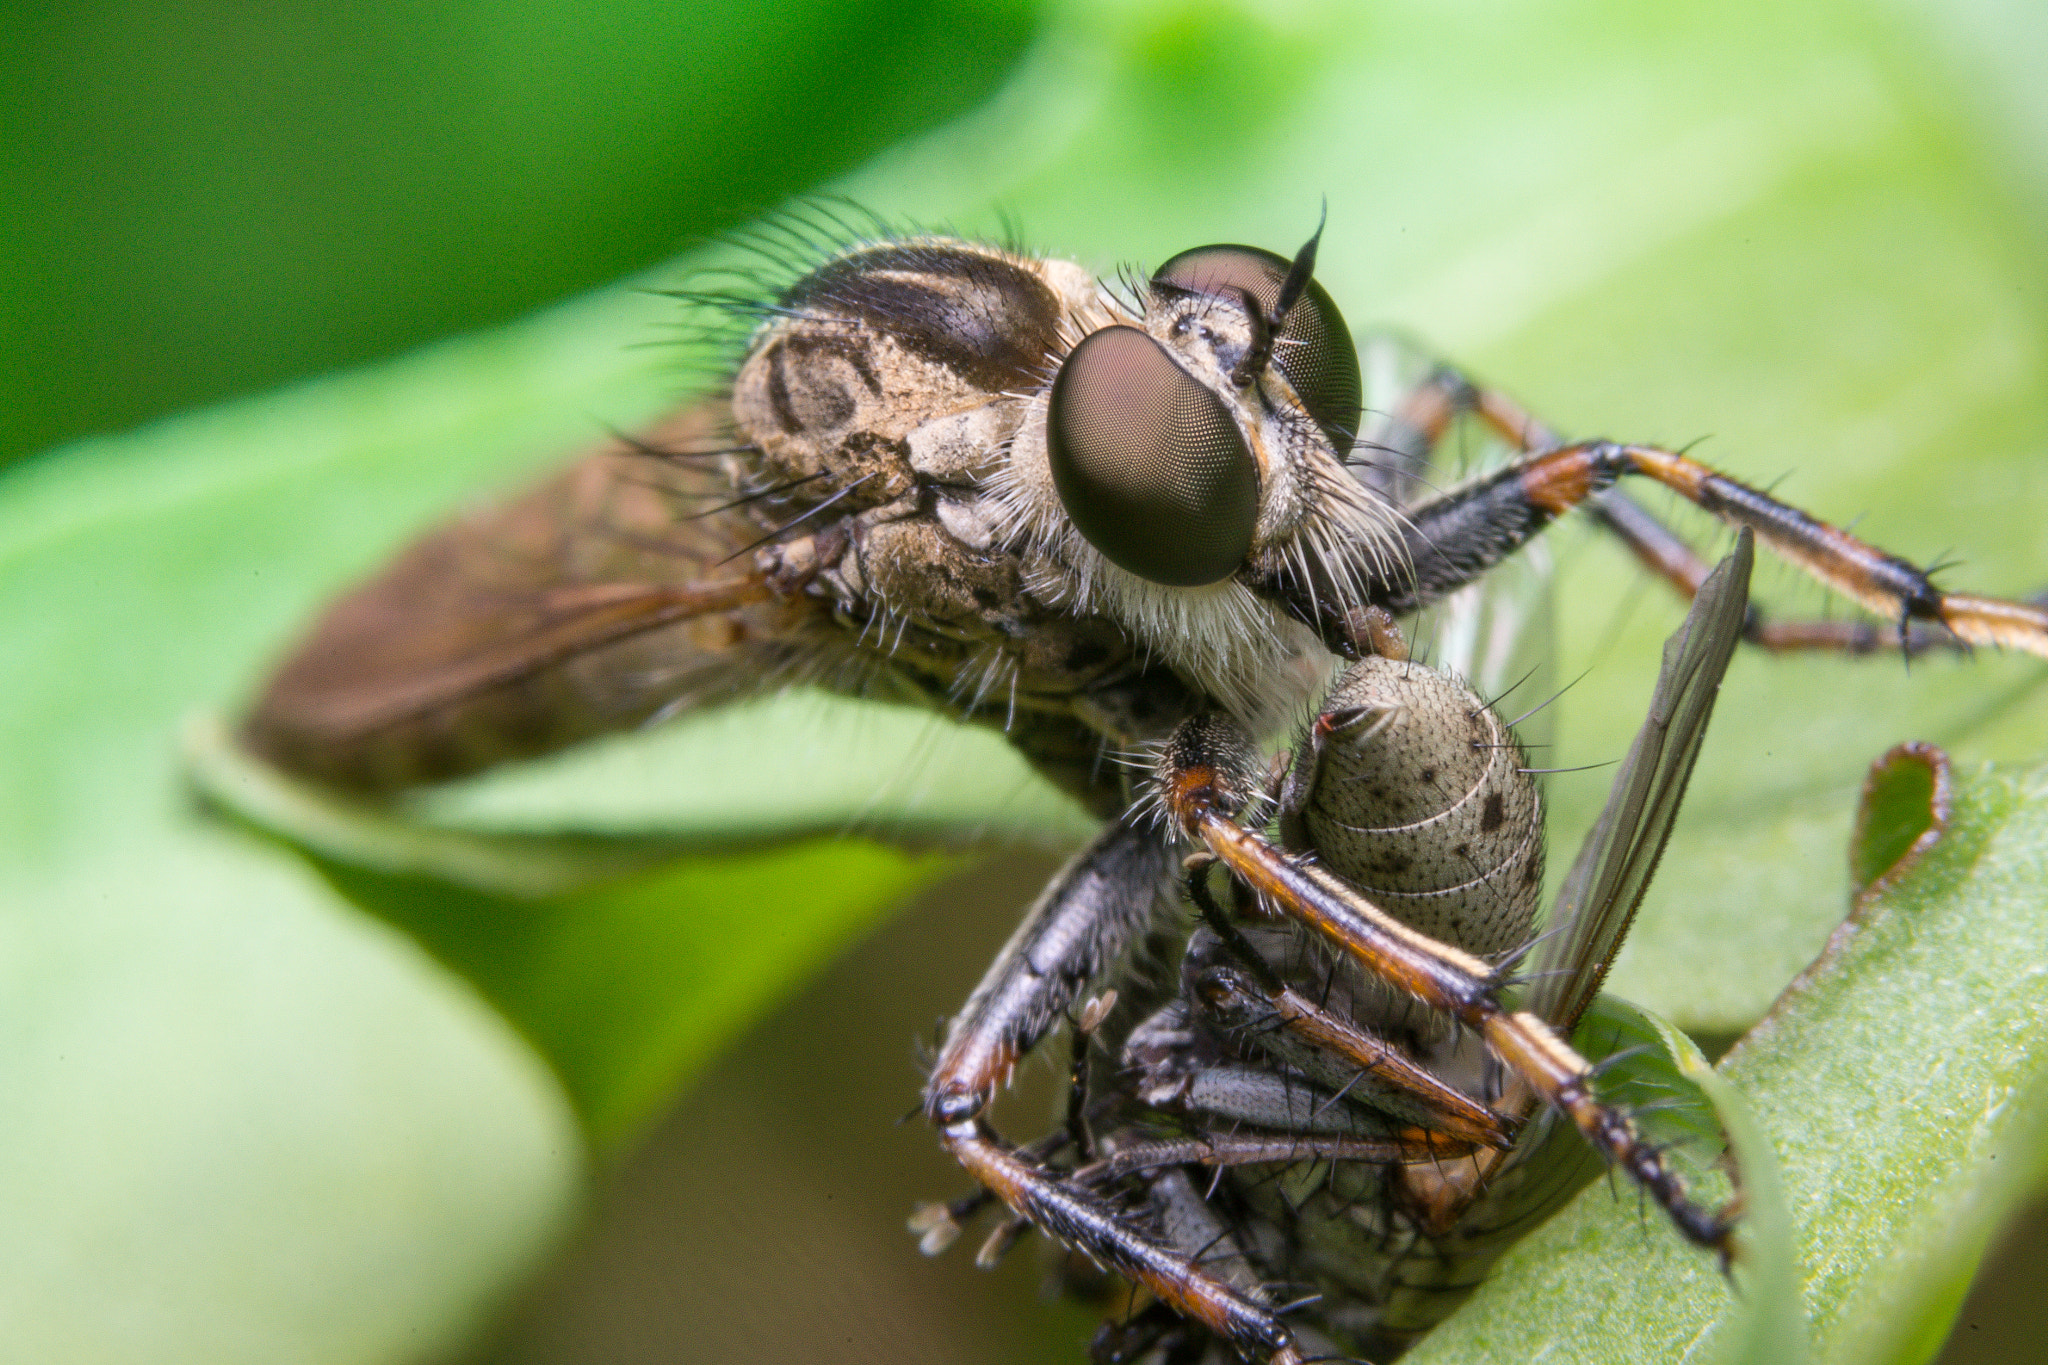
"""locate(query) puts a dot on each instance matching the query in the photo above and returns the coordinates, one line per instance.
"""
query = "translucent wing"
(1599, 897)
(1497, 635)
(1494, 633)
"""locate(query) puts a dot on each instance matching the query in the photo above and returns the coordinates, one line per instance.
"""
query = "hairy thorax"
(902, 389)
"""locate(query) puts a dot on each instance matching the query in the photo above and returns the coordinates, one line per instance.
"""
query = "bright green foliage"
(1900, 1085)
(248, 1121)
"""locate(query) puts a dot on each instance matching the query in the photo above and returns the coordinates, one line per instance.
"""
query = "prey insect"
(1095, 516)
(1342, 1123)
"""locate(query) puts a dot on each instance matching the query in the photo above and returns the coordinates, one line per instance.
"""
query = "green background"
(209, 199)
(263, 1107)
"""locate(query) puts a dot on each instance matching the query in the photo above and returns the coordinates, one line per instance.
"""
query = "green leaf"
(1898, 1081)
(627, 985)
(1772, 1327)
(1906, 806)
(1701, 1123)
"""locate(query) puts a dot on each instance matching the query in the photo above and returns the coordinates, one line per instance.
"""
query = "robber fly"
(1096, 516)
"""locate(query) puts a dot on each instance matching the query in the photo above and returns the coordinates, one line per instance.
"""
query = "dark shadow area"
(2005, 1318)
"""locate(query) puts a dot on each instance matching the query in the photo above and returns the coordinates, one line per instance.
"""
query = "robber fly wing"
(1599, 897)
(588, 605)
(1495, 633)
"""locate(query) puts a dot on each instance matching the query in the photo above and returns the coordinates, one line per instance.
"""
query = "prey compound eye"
(1312, 347)
(1149, 463)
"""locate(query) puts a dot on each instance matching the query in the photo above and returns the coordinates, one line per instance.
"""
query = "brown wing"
(587, 605)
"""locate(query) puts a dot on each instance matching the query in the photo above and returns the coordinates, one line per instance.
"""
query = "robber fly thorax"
(1094, 516)
(890, 412)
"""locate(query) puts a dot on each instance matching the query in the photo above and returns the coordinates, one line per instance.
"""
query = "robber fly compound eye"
(1312, 348)
(1149, 463)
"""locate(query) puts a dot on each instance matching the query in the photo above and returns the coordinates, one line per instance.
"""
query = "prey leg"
(1205, 779)
(1457, 537)
(1190, 1226)
(1179, 1253)
(1255, 1003)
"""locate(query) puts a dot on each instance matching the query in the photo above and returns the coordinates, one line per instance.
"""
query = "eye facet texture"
(1313, 347)
(1149, 463)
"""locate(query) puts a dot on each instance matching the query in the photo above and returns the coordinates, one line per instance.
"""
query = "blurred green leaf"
(242, 1111)
(206, 200)
(628, 985)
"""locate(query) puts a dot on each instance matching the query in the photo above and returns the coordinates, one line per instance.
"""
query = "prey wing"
(1601, 893)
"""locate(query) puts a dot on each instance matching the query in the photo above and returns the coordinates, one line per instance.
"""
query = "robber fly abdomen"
(1092, 516)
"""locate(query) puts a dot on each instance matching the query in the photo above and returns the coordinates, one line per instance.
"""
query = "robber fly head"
(1193, 449)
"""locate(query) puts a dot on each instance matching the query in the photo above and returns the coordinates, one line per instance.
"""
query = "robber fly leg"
(1205, 782)
(1458, 537)
(1917, 617)
(1095, 907)
(1668, 555)
(1088, 1223)
(1891, 588)
(1084, 920)
(1254, 1003)
(1098, 903)
(1447, 394)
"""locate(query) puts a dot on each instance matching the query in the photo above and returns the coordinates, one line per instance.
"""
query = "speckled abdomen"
(1411, 788)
